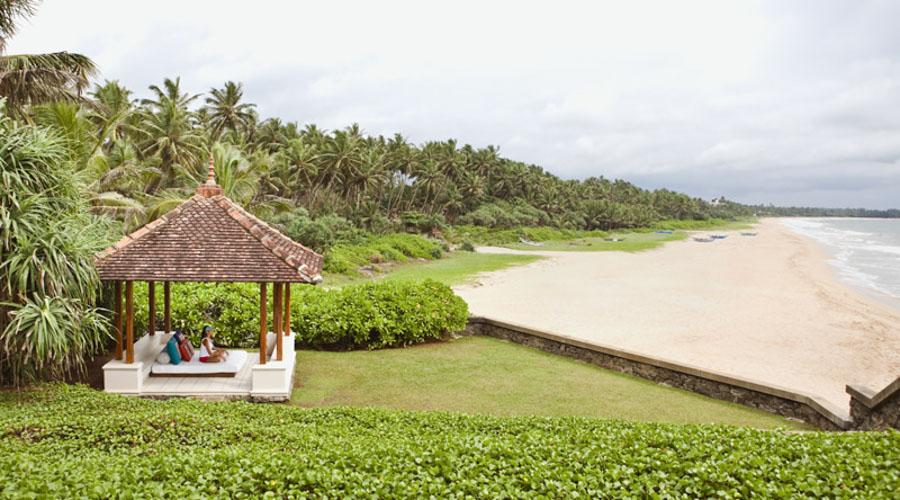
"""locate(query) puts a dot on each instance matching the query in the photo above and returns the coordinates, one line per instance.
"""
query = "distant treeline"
(771, 210)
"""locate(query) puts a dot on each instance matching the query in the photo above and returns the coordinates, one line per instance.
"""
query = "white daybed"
(194, 368)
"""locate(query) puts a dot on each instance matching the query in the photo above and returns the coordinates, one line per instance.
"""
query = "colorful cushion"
(172, 350)
(185, 355)
(189, 345)
(186, 349)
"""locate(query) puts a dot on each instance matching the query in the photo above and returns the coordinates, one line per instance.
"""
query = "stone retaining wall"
(870, 410)
(808, 408)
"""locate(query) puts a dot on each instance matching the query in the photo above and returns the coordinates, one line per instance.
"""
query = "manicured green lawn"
(453, 269)
(490, 376)
(631, 242)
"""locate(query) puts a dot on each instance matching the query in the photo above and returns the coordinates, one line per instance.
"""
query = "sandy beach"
(767, 308)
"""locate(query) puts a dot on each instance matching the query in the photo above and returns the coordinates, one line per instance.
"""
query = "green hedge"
(65, 442)
(370, 315)
(379, 314)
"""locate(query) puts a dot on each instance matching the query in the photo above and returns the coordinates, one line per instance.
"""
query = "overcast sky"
(789, 102)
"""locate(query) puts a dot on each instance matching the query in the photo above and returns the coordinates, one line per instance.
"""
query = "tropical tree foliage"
(48, 285)
(27, 79)
(143, 157)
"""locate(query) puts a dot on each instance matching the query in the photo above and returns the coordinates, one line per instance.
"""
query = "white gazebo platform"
(271, 381)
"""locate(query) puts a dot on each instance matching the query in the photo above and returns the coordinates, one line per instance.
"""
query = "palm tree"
(166, 132)
(225, 110)
(110, 111)
(27, 79)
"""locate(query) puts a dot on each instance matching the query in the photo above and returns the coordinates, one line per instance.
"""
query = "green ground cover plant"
(65, 441)
(367, 315)
(490, 376)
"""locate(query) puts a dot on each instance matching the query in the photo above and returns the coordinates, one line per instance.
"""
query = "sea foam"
(865, 252)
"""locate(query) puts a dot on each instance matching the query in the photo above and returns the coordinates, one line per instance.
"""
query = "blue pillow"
(172, 349)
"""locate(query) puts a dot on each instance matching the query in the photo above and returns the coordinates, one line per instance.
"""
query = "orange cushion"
(186, 349)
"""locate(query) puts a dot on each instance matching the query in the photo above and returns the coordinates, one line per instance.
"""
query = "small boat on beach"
(748, 234)
(700, 239)
(664, 231)
(719, 236)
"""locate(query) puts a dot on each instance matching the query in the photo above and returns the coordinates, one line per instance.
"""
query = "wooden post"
(117, 319)
(287, 309)
(263, 322)
(277, 320)
(151, 301)
(129, 322)
(167, 306)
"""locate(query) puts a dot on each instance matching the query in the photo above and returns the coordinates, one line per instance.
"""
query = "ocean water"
(865, 252)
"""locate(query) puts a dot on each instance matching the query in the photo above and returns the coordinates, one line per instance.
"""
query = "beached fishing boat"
(664, 231)
(702, 239)
(719, 236)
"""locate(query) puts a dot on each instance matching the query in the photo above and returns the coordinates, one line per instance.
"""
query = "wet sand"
(767, 308)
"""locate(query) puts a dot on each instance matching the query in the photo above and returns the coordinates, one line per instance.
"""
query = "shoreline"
(725, 305)
(830, 257)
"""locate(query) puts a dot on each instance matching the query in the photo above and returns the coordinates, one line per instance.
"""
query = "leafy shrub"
(54, 443)
(49, 322)
(347, 258)
(506, 215)
(419, 222)
(373, 315)
(231, 308)
(321, 233)
(379, 314)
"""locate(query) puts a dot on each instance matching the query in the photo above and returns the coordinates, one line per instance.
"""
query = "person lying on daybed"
(208, 352)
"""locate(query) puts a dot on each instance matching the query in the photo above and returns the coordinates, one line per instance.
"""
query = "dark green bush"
(502, 214)
(73, 442)
(379, 314)
(321, 233)
(371, 315)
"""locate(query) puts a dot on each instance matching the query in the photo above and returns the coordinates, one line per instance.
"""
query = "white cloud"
(788, 102)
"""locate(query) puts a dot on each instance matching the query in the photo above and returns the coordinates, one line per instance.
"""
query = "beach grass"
(453, 269)
(490, 376)
(630, 242)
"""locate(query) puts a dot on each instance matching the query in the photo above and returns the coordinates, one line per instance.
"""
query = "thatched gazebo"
(208, 238)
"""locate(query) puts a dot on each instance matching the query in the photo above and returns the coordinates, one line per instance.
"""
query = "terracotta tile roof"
(209, 238)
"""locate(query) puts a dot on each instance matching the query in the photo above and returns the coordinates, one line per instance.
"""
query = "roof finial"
(211, 179)
(209, 188)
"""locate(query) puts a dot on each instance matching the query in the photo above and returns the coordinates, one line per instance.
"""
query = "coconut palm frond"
(119, 206)
(160, 205)
(28, 79)
(10, 10)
